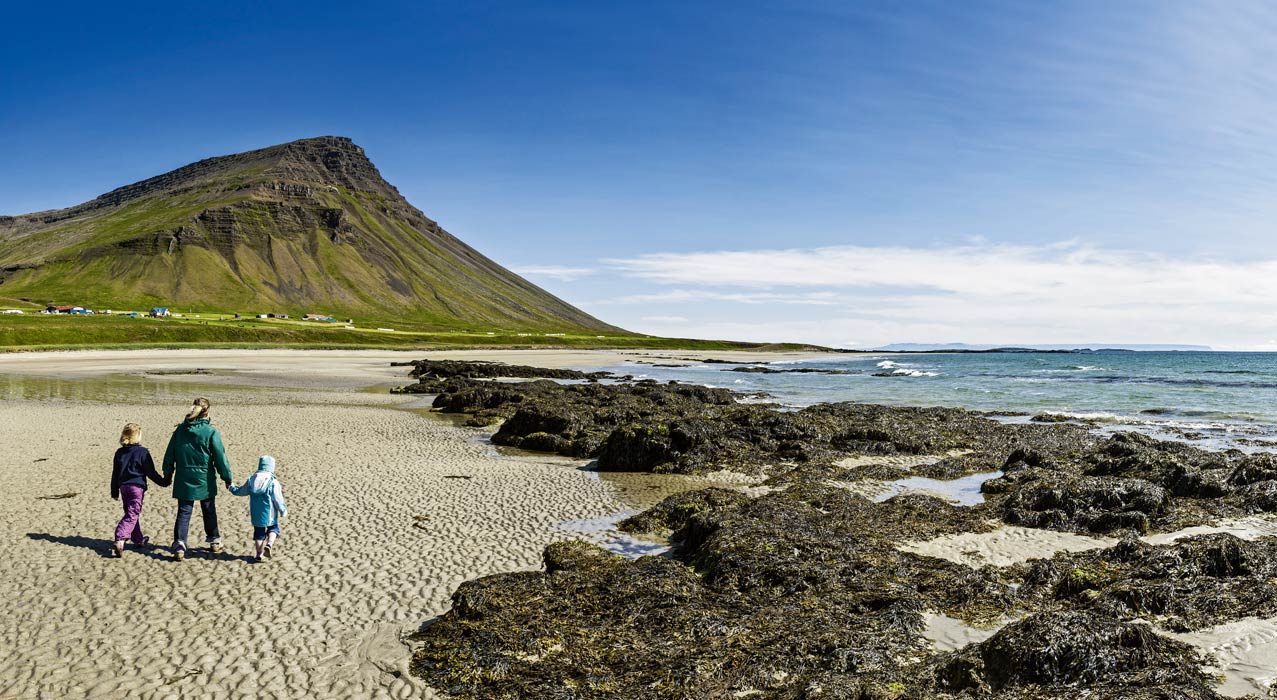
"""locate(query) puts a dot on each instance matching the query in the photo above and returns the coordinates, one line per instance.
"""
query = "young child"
(131, 468)
(265, 504)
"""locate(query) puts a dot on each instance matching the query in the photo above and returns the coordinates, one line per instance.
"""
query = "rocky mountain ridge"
(309, 224)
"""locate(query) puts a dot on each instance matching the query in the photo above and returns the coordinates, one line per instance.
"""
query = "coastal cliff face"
(309, 225)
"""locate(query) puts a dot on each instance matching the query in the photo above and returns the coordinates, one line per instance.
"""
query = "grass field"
(35, 331)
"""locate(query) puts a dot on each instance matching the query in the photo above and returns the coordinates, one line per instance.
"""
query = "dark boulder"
(1058, 650)
(674, 513)
(1087, 504)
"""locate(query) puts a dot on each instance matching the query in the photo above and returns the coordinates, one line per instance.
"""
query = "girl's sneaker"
(179, 553)
(117, 549)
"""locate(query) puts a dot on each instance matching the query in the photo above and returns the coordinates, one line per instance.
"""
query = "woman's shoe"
(117, 549)
(179, 553)
(216, 547)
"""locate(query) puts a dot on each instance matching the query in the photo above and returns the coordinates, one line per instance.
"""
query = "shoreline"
(379, 537)
(334, 391)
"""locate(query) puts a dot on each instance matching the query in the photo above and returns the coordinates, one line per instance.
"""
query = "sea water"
(1213, 399)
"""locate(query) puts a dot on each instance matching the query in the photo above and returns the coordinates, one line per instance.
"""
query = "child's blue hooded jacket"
(265, 495)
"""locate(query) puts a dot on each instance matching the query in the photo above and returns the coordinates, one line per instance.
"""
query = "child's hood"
(260, 482)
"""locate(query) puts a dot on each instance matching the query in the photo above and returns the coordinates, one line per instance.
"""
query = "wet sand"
(1245, 651)
(330, 368)
(378, 537)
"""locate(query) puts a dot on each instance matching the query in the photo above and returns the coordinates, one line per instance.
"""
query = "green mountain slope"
(303, 227)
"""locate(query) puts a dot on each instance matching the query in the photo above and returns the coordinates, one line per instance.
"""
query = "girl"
(131, 468)
(265, 504)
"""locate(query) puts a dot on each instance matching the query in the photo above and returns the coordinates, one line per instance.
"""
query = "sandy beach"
(333, 368)
(390, 511)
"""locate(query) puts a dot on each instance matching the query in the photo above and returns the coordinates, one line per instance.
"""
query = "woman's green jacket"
(196, 455)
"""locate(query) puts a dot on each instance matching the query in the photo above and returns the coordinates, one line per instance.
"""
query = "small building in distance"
(159, 311)
(318, 317)
(14, 311)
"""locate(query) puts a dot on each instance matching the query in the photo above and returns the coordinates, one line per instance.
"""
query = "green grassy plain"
(35, 331)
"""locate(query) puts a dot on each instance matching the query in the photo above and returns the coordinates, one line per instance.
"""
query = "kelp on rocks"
(1193, 583)
(683, 428)
(801, 593)
(795, 594)
(744, 609)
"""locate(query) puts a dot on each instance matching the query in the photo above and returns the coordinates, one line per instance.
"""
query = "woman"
(195, 453)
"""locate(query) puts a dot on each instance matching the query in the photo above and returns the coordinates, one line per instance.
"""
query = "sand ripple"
(377, 541)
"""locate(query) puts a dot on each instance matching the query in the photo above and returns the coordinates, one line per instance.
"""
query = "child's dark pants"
(130, 527)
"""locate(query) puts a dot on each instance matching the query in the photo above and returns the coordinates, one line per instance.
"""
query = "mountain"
(303, 227)
(939, 347)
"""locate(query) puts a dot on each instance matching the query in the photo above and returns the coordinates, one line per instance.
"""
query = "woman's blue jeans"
(208, 513)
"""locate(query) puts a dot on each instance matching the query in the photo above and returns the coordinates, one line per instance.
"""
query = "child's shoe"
(145, 543)
(266, 551)
(117, 549)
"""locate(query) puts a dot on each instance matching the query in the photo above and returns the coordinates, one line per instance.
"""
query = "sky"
(849, 174)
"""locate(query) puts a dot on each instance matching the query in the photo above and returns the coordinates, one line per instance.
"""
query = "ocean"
(1212, 399)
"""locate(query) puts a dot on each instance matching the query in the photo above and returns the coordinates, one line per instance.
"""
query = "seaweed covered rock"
(1062, 654)
(768, 608)
(1086, 504)
(1193, 583)
(1183, 469)
(673, 514)
(682, 428)
(598, 626)
(823, 541)
(431, 375)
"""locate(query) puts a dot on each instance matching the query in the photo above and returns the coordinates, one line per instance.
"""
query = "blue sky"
(846, 173)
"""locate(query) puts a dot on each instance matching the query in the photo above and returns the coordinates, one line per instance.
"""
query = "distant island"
(1078, 347)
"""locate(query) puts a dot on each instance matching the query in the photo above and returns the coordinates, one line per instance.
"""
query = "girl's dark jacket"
(133, 465)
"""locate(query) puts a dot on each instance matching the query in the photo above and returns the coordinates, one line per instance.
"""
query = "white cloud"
(975, 293)
(664, 319)
(695, 295)
(565, 274)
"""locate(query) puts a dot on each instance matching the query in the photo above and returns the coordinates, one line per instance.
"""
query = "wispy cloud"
(980, 293)
(702, 295)
(564, 274)
(664, 319)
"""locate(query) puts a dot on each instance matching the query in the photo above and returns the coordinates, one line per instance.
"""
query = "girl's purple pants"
(130, 528)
